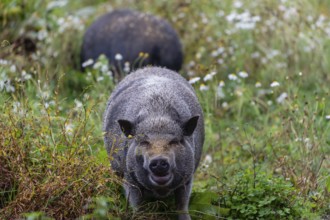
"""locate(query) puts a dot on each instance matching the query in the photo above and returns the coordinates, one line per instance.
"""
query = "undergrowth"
(259, 68)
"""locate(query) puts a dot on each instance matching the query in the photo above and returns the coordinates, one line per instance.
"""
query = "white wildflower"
(220, 61)
(310, 18)
(86, 96)
(238, 4)
(239, 92)
(69, 128)
(198, 55)
(224, 105)
(327, 117)
(205, 20)
(191, 63)
(320, 21)
(17, 108)
(87, 63)
(78, 103)
(208, 159)
(194, 80)
(70, 22)
(209, 39)
(262, 92)
(281, 7)
(214, 53)
(258, 85)
(221, 83)
(243, 74)
(118, 57)
(275, 84)
(4, 62)
(281, 65)
(97, 65)
(209, 76)
(308, 143)
(282, 97)
(54, 4)
(191, 73)
(100, 78)
(25, 76)
(327, 30)
(127, 67)
(181, 15)
(256, 18)
(255, 55)
(220, 92)
(244, 20)
(272, 53)
(5, 84)
(50, 103)
(203, 87)
(12, 68)
(220, 50)
(264, 60)
(245, 25)
(60, 21)
(55, 54)
(290, 13)
(220, 13)
(108, 73)
(104, 68)
(45, 94)
(231, 50)
(231, 17)
(232, 77)
(42, 34)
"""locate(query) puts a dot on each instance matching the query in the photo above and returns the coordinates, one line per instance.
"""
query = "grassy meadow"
(261, 70)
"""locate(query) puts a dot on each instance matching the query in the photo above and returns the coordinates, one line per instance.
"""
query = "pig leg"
(182, 195)
(134, 195)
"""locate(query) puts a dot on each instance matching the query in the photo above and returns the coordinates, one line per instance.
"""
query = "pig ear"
(126, 127)
(190, 125)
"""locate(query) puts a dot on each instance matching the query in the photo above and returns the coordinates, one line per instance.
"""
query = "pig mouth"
(161, 181)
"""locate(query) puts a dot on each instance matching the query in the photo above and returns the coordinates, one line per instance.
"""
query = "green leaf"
(201, 204)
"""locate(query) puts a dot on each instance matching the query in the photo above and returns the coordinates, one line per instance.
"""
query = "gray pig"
(154, 134)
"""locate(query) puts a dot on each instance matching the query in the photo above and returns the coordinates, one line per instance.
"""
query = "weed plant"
(260, 70)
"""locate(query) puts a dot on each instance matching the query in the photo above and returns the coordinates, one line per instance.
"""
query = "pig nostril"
(153, 165)
(159, 167)
(164, 164)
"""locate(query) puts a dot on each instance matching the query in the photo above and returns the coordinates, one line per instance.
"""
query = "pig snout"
(159, 166)
(160, 171)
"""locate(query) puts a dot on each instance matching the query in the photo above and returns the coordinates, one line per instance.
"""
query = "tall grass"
(260, 70)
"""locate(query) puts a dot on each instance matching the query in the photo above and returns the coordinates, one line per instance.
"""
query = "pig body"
(154, 134)
(130, 34)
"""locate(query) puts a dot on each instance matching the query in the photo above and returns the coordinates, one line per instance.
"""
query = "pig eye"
(145, 143)
(174, 142)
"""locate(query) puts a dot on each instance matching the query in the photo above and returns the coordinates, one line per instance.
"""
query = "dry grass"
(38, 177)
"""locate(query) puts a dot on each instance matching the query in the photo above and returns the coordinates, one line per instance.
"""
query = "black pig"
(137, 38)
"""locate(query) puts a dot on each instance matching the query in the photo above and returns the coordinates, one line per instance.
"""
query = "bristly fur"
(156, 107)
